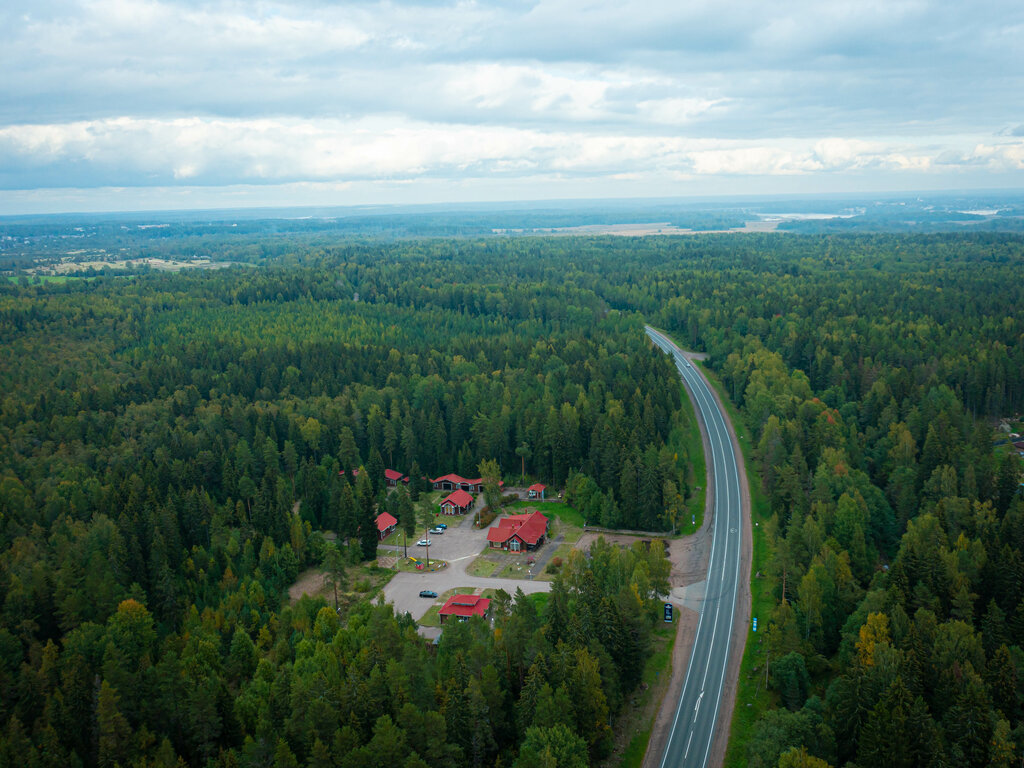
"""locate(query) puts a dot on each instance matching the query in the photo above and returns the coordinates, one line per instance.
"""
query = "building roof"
(385, 520)
(529, 528)
(393, 474)
(459, 498)
(454, 479)
(537, 487)
(451, 477)
(465, 605)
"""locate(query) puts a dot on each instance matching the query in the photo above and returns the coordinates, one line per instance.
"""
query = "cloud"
(132, 151)
(136, 92)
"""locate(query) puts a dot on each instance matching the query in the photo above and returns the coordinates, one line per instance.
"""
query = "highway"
(697, 713)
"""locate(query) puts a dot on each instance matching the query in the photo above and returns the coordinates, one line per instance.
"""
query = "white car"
(423, 543)
(437, 531)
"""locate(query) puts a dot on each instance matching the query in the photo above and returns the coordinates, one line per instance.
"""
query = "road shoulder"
(742, 622)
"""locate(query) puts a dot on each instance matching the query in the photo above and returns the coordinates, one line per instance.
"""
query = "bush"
(509, 498)
(485, 517)
(362, 585)
(554, 565)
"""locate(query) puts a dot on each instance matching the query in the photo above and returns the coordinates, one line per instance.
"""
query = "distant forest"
(156, 430)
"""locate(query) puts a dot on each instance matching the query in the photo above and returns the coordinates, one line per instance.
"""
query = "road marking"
(727, 496)
(696, 707)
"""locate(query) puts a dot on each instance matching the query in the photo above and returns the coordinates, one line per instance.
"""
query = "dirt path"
(310, 582)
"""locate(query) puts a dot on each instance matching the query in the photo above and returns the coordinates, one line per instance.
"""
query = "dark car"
(443, 526)
(428, 593)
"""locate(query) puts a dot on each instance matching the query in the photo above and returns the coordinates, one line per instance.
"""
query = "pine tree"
(366, 516)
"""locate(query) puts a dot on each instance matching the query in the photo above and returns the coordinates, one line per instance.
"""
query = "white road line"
(724, 494)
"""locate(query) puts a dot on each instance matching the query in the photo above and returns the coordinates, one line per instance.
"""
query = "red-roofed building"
(453, 482)
(386, 523)
(518, 532)
(537, 490)
(391, 476)
(394, 477)
(464, 606)
(456, 503)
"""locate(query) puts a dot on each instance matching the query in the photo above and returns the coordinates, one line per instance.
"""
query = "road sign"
(668, 612)
(755, 623)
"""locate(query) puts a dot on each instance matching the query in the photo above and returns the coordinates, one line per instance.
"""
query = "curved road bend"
(696, 717)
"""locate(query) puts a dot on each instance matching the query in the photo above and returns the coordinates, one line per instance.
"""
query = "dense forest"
(158, 433)
(872, 372)
(157, 429)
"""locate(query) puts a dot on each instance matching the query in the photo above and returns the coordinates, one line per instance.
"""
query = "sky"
(167, 104)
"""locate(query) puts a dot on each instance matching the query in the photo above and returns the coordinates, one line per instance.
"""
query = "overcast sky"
(125, 104)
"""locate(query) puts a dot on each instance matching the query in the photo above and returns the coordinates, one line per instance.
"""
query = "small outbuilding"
(394, 477)
(536, 491)
(386, 523)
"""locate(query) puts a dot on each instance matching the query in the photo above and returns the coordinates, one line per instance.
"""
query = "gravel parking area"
(459, 546)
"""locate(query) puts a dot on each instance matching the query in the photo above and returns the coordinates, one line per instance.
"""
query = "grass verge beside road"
(555, 509)
(694, 444)
(637, 719)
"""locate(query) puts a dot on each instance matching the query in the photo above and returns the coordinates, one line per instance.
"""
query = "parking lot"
(459, 545)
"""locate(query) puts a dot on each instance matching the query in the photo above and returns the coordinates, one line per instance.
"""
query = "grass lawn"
(752, 698)
(482, 567)
(514, 570)
(32, 279)
(570, 534)
(396, 538)
(639, 713)
(562, 512)
(563, 552)
(409, 566)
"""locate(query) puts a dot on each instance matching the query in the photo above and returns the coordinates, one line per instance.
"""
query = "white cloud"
(219, 151)
(134, 92)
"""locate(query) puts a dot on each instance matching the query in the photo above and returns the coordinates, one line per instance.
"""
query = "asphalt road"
(697, 712)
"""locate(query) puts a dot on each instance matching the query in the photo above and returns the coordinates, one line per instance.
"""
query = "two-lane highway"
(696, 718)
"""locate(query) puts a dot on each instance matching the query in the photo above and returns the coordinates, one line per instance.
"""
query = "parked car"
(439, 530)
(423, 543)
(428, 593)
(443, 526)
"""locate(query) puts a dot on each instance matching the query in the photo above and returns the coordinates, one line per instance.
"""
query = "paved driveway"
(459, 545)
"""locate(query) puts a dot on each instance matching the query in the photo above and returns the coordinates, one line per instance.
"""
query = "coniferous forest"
(172, 448)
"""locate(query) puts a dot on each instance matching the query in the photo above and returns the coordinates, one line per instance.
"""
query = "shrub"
(486, 517)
